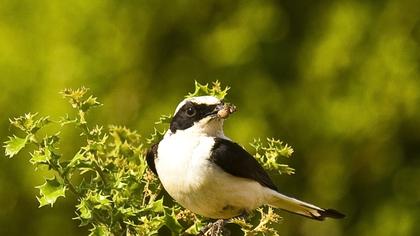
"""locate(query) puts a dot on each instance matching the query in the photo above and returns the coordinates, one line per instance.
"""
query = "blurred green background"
(339, 81)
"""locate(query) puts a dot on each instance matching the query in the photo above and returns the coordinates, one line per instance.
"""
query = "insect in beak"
(224, 110)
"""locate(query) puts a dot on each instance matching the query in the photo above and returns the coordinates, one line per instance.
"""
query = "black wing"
(151, 156)
(233, 159)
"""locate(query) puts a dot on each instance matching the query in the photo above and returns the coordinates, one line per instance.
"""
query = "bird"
(211, 175)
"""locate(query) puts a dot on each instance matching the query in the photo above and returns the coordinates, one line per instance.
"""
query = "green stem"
(100, 172)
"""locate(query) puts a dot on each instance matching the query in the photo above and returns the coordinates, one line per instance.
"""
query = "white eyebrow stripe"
(210, 100)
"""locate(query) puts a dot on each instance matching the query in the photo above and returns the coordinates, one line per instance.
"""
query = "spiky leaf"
(50, 191)
(171, 222)
(14, 145)
(164, 119)
(203, 90)
(99, 230)
(39, 157)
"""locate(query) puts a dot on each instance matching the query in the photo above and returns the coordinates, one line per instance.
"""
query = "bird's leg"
(213, 229)
(217, 228)
(205, 229)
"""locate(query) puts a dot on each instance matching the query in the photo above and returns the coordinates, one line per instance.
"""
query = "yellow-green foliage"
(117, 194)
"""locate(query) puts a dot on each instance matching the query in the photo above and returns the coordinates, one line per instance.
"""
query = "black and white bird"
(209, 174)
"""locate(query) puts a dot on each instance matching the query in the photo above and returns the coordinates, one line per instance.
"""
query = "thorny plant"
(116, 193)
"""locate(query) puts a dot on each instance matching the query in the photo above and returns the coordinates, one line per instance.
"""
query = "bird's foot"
(243, 216)
(214, 229)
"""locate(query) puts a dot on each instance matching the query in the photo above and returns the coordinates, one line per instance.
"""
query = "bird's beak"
(223, 110)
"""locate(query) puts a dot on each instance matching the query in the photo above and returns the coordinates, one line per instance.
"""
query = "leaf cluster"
(116, 193)
(204, 89)
(269, 154)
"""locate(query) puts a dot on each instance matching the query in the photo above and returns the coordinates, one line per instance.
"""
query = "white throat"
(205, 127)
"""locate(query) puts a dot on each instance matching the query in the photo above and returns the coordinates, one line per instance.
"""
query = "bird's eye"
(191, 112)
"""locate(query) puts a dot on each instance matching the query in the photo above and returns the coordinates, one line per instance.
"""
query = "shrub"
(116, 193)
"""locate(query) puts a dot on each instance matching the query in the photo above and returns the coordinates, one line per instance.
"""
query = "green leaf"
(203, 89)
(269, 153)
(100, 230)
(50, 191)
(80, 160)
(90, 203)
(65, 120)
(89, 103)
(150, 226)
(195, 228)
(157, 206)
(85, 211)
(29, 124)
(156, 136)
(51, 140)
(171, 222)
(77, 100)
(164, 119)
(74, 96)
(100, 201)
(14, 145)
(40, 158)
(122, 134)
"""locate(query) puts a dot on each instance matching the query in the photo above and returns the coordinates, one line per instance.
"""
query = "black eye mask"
(190, 113)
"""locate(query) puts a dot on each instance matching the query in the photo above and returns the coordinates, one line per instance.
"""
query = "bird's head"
(203, 114)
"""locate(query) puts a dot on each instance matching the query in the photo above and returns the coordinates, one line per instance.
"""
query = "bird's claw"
(214, 229)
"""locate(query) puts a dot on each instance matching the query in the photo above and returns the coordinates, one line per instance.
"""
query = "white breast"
(199, 185)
